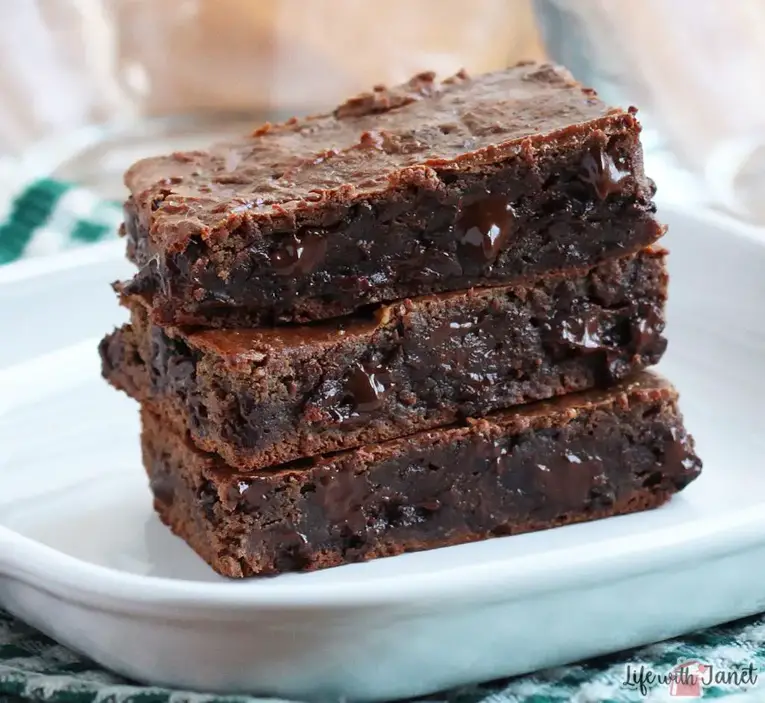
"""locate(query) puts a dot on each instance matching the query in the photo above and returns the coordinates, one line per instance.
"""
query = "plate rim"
(96, 585)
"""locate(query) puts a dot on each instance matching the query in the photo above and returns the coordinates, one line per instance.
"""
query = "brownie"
(426, 187)
(580, 457)
(260, 397)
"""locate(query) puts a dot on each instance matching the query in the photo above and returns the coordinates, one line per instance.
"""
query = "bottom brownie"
(585, 456)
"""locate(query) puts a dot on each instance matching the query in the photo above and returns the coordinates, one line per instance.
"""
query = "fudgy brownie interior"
(260, 397)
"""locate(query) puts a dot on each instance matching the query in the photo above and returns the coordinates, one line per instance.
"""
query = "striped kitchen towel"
(50, 216)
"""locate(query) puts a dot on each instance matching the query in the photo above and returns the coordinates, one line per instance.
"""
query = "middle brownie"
(259, 397)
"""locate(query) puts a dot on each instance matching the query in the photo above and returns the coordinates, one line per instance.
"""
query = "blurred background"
(89, 86)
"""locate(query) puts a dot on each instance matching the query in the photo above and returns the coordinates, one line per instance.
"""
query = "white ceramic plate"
(83, 558)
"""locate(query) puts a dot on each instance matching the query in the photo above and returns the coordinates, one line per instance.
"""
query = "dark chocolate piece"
(581, 457)
(424, 188)
(262, 397)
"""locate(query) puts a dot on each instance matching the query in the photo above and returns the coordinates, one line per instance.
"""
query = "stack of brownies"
(418, 321)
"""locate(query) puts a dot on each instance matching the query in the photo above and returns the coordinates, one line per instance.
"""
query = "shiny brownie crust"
(578, 458)
(262, 397)
(420, 189)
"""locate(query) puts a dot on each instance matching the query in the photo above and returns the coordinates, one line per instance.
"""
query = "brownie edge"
(581, 457)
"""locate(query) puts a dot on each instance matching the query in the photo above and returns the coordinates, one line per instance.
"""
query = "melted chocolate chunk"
(585, 330)
(602, 172)
(367, 386)
(360, 394)
(636, 329)
(299, 254)
(483, 229)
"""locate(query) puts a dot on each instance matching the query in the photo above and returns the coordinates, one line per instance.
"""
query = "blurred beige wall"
(65, 64)
(298, 55)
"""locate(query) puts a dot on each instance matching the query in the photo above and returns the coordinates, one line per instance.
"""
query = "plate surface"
(83, 558)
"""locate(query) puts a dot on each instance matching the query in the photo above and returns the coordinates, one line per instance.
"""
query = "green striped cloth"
(48, 217)
(34, 668)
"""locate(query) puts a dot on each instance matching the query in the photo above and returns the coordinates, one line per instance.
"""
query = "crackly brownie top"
(378, 141)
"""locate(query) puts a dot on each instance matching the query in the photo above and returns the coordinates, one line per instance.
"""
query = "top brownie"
(398, 192)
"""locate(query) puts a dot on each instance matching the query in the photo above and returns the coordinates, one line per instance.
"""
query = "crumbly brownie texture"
(423, 188)
(262, 397)
(581, 457)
